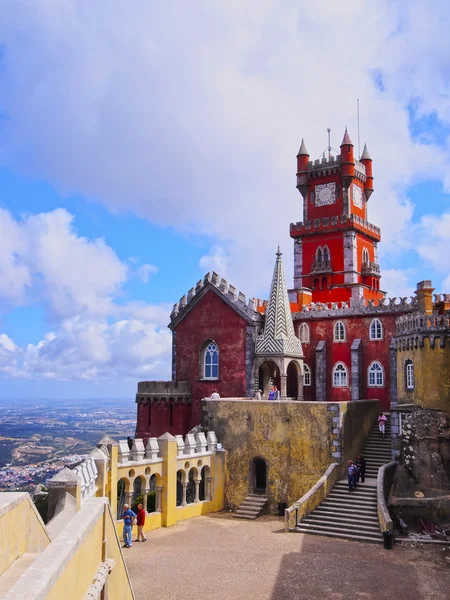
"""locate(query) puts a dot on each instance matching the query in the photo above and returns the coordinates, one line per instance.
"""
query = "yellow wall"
(431, 376)
(21, 530)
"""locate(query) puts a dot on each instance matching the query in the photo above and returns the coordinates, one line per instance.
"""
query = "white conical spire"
(278, 336)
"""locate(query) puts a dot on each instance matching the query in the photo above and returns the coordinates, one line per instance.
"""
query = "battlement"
(354, 307)
(336, 223)
(422, 323)
(330, 164)
(164, 388)
(197, 444)
(228, 291)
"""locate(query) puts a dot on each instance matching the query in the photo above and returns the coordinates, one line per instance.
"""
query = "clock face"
(325, 194)
(357, 196)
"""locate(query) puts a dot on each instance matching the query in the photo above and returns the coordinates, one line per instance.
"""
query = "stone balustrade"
(87, 472)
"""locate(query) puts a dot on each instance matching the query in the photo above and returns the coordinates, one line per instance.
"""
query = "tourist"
(258, 395)
(215, 395)
(381, 423)
(140, 522)
(277, 392)
(128, 517)
(272, 393)
(361, 465)
(351, 471)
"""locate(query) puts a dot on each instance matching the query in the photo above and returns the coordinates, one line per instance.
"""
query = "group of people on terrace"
(131, 518)
(274, 393)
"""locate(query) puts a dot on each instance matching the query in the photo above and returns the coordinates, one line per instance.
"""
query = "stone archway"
(292, 373)
(268, 374)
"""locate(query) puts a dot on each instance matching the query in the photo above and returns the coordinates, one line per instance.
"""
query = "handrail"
(384, 482)
(313, 497)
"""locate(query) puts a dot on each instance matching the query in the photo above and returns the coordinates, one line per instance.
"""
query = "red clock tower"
(335, 247)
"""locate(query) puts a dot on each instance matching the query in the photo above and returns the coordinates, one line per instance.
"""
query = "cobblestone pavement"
(216, 557)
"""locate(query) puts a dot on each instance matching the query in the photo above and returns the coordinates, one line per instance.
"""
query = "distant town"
(38, 438)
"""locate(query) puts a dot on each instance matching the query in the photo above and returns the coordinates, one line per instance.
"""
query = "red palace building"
(329, 338)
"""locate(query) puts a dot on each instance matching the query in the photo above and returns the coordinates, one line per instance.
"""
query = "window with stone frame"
(340, 375)
(365, 256)
(211, 361)
(303, 333)
(376, 375)
(376, 330)
(339, 332)
(306, 375)
(409, 375)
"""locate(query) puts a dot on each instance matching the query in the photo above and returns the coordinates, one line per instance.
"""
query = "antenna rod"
(329, 142)
(359, 147)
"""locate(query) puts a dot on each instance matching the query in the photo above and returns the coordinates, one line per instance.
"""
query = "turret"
(367, 162)
(302, 169)
(347, 160)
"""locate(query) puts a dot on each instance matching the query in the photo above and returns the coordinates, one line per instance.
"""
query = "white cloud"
(192, 116)
(144, 272)
(79, 281)
(216, 260)
(398, 282)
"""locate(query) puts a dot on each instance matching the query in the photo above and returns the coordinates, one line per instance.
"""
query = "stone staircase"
(378, 451)
(251, 507)
(354, 515)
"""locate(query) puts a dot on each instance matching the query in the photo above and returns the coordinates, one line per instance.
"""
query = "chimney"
(424, 295)
(304, 296)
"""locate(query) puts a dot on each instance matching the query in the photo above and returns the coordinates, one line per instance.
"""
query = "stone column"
(283, 391)
(208, 486)
(197, 489)
(168, 452)
(321, 371)
(128, 498)
(144, 498)
(158, 502)
(356, 375)
(184, 484)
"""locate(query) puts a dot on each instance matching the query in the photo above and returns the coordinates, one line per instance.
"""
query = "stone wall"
(297, 440)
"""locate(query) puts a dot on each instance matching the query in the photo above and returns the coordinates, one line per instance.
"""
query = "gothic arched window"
(365, 256)
(306, 375)
(319, 255)
(326, 254)
(303, 333)
(376, 375)
(340, 375)
(376, 330)
(339, 332)
(211, 361)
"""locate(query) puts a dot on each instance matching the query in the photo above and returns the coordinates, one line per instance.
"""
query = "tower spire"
(278, 336)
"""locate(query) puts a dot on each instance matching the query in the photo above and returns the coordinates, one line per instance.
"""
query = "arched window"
(376, 375)
(409, 374)
(365, 256)
(376, 330)
(339, 332)
(306, 375)
(303, 333)
(340, 375)
(326, 254)
(211, 361)
(319, 255)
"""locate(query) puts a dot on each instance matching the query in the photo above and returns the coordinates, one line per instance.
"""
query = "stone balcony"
(321, 267)
(371, 269)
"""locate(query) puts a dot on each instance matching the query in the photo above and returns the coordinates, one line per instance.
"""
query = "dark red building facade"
(223, 343)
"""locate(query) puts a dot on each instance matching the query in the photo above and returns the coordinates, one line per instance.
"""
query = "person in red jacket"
(140, 522)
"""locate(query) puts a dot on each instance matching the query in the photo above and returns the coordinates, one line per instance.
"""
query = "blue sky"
(141, 147)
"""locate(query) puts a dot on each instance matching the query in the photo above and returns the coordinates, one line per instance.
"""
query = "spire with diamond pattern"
(278, 336)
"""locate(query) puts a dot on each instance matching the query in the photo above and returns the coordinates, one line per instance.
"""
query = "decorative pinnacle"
(303, 151)
(278, 253)
(346, 140)
(365, 154)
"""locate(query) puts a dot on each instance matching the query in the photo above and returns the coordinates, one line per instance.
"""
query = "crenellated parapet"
(335, 223)
(354, 307)
(412, 330)
(226, 290)
(157, 392)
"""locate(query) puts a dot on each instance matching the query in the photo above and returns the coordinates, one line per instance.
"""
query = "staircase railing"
(313, 497)
(384, 483)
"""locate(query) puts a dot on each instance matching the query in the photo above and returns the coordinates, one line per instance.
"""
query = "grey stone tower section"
(356, 369)
(321, 371)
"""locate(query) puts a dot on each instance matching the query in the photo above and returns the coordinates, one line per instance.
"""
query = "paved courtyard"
(216, 557)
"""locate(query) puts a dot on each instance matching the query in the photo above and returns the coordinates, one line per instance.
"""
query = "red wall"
(356, 328)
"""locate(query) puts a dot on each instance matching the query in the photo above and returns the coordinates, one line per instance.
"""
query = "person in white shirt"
(258, 395)
(215, 395)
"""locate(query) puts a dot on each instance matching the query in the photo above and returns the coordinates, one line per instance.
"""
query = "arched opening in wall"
(123, 485)
(180, 480)
(205, 472)
(151, 496)
(137, 497)
(324, 282)
(316, 283)
(292, 380)
(190, 488)
(258, 474)
(269, 374)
